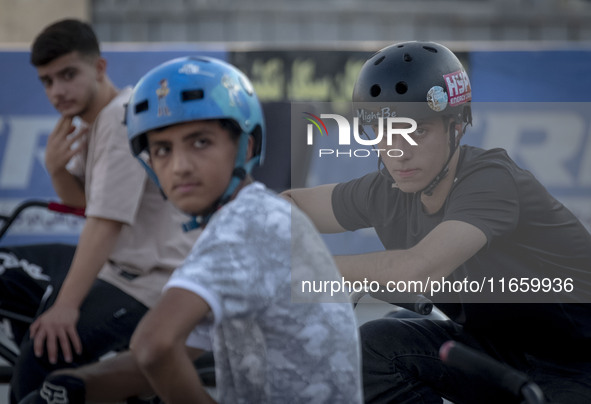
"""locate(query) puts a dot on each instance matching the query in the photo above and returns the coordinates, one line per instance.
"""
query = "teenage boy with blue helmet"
(199, 139)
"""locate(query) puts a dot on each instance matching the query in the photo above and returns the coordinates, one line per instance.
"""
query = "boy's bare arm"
(437, 255)
(111, 380)
(316, 203)
(115, 379)
(158, 346)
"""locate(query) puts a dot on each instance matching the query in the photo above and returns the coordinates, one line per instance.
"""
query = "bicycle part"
(52, 206)
(417, 303)
(471, 361)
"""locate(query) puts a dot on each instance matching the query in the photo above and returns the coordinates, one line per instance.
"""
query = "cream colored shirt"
(152, 243)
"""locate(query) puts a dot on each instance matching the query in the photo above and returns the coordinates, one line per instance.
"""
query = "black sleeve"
(353, 202)
(487, 198)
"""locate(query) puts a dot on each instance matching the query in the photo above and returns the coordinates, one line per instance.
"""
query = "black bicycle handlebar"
(414, 302)
(53, 206)
(471, 361)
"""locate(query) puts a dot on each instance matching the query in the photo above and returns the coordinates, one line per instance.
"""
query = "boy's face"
(419, 164)
(193, 162)
(70, 82)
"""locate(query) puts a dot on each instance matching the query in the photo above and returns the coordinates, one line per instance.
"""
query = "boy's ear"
(101, 68)
(250, 150)
(459, 132)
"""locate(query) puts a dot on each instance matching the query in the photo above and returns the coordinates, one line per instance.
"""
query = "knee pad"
(59, 389)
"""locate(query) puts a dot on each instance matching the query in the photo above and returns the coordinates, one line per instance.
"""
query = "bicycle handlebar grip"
(417, 303)
(421, 305)
(61, 208)
(471, 361)
(53, 206)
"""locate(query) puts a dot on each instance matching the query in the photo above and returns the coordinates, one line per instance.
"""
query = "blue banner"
(497, 79)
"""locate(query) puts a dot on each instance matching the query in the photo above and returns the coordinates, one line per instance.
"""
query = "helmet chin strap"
(454, 140)
(241, 169)
(428, 190)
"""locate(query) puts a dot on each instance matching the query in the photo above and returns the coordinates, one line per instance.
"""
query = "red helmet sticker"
(458, 88)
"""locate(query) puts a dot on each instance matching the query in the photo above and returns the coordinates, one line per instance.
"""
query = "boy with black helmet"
(234, 293)
(443, 210)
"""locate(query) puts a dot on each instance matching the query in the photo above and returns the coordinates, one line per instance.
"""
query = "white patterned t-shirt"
(268, 348)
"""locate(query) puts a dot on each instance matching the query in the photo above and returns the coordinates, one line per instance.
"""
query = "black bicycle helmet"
(426, 75)
(415, 80)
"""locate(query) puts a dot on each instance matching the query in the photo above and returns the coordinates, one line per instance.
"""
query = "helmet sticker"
(233, 89)
(191, 68)
(458, 87)
(368, 117)
(437, 98)
(162, 92)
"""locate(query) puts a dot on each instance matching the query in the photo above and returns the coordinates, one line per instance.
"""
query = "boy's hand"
(60, 145)
(57, 326)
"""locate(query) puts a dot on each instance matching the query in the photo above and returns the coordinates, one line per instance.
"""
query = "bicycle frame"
(8, 349)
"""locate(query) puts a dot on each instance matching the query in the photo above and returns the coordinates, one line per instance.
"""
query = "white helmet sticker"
(190, 69)
(437, 98)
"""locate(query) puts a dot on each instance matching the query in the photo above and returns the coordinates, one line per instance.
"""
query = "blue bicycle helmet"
(197, 88)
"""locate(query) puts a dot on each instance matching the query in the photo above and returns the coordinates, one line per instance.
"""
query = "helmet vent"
(190, 95)
(375, 90)
(141, 106)
(407, 57)
(401, 87)
(430, 49)
(380, 60)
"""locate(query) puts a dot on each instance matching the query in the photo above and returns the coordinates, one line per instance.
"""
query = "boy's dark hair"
(63, 37)
(232, 127)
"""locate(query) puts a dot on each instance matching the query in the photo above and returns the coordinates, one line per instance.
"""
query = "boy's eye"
(46, 82)
(69, 74)
(201, 143)
(160, 151)
(420, 132)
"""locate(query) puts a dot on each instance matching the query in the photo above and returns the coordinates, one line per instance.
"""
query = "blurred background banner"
(312, 51)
